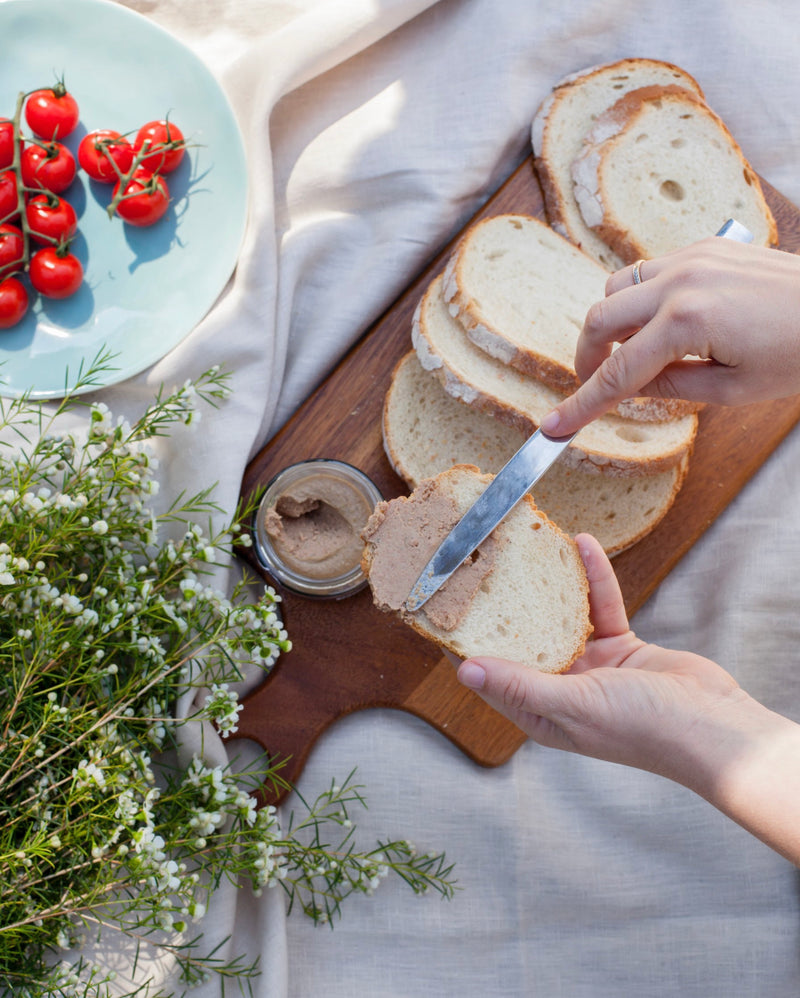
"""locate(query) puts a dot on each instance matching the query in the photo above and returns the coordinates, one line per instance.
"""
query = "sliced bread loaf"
(611, 444)
(522, 596)
(521, 291)
(426, 431)
(562, 121)
(660, 170)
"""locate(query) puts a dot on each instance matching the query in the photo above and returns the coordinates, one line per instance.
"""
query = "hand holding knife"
(508, 487)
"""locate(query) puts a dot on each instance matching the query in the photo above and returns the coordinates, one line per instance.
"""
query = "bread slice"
(611, 445)
(426, 431)
(660, 170)
(524, 597)
(521, 292)
(562, 121)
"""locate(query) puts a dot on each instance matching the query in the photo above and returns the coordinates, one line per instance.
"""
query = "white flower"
(100, 527)
(87, 618)
(89, 772)
(223, 706)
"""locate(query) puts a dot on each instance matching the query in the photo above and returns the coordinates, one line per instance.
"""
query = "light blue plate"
(144, 289)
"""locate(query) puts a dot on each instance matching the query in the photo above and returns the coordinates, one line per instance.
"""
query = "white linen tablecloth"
(374, 129)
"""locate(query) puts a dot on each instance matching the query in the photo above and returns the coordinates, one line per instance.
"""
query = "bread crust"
(483, 399)
(609, 130)
(528, 360)
(557, 193)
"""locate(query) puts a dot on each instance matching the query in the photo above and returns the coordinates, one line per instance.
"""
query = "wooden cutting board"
(347, 655)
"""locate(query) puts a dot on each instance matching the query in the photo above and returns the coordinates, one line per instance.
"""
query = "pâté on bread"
(523, 595)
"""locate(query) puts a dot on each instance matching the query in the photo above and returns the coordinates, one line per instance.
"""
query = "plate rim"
(111, 375)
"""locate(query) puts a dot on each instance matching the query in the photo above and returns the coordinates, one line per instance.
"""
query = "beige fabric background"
(374, 129)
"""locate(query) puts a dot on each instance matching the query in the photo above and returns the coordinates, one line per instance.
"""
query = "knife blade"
(510, 484)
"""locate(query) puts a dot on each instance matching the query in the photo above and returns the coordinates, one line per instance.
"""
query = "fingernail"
(585, 552)
(551, 421)
(471, 675)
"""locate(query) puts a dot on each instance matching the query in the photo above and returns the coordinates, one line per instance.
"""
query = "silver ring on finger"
(637, 272)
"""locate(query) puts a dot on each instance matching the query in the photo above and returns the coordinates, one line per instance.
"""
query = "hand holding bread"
(667, 712)
(715, 322)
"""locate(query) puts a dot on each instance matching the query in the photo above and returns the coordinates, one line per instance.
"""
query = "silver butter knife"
(503, 493)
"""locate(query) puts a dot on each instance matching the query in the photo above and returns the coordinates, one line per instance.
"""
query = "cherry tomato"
(51, 167)
(55, 273)
(7, 143)
(9, 202)
(166, 142)
(145, 199)
(12, 249)
(13, 302)
(51, 219)
(99, 150)
(52, 113)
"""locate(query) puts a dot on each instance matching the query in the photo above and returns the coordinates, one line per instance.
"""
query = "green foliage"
(106, 617)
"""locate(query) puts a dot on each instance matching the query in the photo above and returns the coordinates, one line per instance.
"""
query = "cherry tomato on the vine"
(98, 149)
(9, 200)
(7, 143)
(12, 250)
(166, 142)
(13, 302)
(52, 113)
(51, 219)
(51, 167)
(55, 273)
(144, 200)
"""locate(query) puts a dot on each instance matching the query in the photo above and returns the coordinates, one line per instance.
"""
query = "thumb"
(537, 702)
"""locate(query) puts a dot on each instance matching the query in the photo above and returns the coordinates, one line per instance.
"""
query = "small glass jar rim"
(334, 588)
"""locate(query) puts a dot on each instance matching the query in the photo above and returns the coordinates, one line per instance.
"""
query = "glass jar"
(307, 527)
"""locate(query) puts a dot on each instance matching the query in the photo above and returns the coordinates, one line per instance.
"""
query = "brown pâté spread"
(404, 534)
(315, 526)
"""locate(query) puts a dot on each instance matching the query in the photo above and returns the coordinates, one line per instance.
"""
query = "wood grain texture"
(347, 655)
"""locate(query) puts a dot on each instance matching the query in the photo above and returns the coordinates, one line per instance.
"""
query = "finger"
(606, 605)
(531, 699)
(612, 320)
(624, 277)
(553, 710)
(634, 364)
(591, 400)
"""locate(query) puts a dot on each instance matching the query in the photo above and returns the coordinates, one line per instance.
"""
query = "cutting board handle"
(298, 701)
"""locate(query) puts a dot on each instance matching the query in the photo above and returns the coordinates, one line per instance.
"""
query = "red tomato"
(51, 167)
(12, 250)
(166, 142)
(9, 200)
(55, 273)
(13, 302)
(52, 113)
(100, 150)
(51, 219)
(7, 143)
(145, 199)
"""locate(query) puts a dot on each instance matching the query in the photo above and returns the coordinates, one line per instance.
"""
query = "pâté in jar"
(308, 524)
